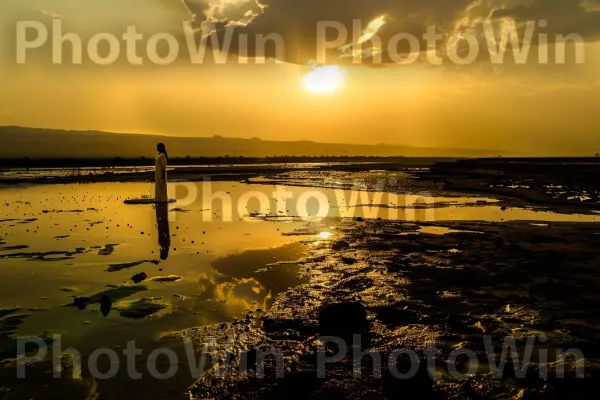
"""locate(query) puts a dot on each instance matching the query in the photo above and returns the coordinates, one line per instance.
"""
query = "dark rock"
(137, 278)
(343, 318)
(81, 302)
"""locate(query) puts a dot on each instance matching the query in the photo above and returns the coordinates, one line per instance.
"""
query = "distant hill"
(18, 142)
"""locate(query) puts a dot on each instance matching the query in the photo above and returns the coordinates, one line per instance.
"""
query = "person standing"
(160, 178)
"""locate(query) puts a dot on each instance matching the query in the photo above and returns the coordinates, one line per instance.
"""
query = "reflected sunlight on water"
(220, 249)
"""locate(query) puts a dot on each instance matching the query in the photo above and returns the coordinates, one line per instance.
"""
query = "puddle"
(58, 255)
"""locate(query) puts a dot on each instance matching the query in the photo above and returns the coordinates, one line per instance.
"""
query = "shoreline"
(457, 176)
(193, 174)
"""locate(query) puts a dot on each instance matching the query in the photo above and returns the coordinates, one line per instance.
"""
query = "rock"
(137, 278)
(81, 302)
(342, 318)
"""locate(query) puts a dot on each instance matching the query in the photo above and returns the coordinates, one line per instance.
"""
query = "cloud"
(563, 16)
(223, 13)
(99, 16)
(296, 20)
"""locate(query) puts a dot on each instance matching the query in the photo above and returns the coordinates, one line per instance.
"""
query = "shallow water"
(23, 173)
(230, 244)
(60, 241)
(64, 241)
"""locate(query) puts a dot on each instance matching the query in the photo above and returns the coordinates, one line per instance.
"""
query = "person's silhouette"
(164, 235)
(160, 185)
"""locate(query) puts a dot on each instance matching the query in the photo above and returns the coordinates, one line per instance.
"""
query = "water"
(229, 245)
(86, 230)
(28, 173)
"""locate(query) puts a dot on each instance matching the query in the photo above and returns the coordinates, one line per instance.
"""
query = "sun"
(324, 80)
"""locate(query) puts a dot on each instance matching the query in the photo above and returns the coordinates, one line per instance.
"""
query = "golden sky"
(530, 108)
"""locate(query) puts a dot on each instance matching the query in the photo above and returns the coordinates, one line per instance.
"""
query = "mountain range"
(19, 142)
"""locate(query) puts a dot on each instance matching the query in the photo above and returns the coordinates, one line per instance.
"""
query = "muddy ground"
(559, 182)
(400, 288)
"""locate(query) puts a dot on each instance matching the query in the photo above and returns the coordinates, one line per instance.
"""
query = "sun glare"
(324, 80)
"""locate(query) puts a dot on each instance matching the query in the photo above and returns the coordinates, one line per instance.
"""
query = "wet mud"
(401, 288)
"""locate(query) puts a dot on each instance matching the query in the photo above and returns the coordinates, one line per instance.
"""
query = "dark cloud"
(563, 16)
(296, 20)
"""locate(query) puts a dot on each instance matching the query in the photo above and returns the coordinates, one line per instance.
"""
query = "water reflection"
(105, 305)
(164, 235)
(253, 277)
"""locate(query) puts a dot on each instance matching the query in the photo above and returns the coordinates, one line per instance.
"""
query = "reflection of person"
(164, 235)
(160, 177)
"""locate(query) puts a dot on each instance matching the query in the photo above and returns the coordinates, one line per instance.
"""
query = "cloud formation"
(223, 12)
(296, 20)
(563, 16)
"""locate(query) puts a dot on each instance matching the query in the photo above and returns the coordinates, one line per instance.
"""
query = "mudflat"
(403, 262)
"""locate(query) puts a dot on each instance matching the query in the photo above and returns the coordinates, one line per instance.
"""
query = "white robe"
(160, 183)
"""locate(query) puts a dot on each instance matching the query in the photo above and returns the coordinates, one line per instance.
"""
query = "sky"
(352, 93)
